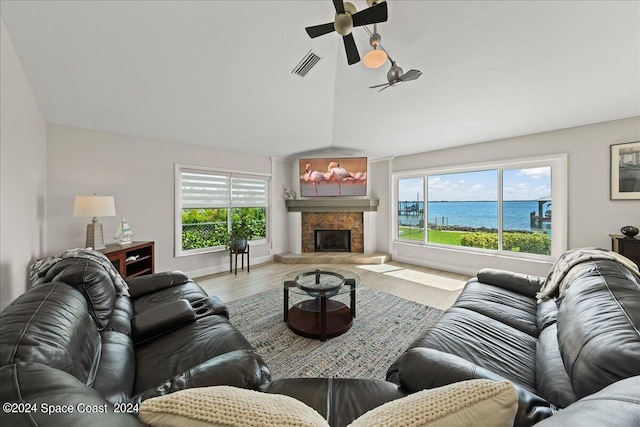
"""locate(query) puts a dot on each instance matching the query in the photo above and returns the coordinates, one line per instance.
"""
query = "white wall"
(139, 173)
(379, 181)
(281, 175)
(592, 216)
(23, 169)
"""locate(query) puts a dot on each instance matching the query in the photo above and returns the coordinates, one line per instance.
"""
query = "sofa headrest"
(598, 323)
(93, 282)
(50, 325)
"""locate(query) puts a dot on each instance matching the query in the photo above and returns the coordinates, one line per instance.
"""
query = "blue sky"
(518, 184)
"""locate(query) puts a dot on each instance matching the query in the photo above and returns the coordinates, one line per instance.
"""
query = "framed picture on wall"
(625, 171)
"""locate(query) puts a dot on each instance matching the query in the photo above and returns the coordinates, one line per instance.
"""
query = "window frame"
(230, 173)
(559, 196)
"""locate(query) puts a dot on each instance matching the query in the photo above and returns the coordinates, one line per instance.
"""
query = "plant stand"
(234, 254)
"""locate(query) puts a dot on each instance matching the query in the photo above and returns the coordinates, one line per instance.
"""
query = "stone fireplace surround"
(354, 214)
(312, 221)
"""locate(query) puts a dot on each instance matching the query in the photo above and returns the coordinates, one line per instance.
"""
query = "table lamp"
(94, 206)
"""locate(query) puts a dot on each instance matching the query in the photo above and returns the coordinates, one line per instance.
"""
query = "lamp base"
(95, 238)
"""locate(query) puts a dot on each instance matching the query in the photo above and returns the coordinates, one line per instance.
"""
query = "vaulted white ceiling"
(218, 73)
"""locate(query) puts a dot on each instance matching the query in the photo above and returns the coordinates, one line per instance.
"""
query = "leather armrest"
(143, 285)
(615, 405)
(162, 319)
(423, 368)
(44, 388)
(518, 282)
(239, 368)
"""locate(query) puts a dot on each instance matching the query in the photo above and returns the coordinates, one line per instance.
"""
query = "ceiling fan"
(396, 75)
(345, 20)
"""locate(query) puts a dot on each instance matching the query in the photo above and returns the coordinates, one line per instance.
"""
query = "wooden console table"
(144, 262)
(626, 246)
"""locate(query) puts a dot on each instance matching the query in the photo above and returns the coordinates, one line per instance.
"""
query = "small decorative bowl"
(629, 231)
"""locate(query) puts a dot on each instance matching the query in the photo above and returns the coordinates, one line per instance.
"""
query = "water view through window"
(463, 209)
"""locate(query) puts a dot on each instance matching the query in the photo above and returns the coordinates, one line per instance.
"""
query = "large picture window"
(515, 207)
(210, 203)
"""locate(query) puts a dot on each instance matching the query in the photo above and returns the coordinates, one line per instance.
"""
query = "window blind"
(248, 192)
(201, 190)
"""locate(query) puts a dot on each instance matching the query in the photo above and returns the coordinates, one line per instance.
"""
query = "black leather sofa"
(574, 360)
(558, 354)
(73, 352)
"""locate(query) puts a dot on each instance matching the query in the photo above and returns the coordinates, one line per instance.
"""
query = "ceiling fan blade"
(371, 15)
(339, 5)
(389, 85)
(320, 30)
(352, 51)
(410, 75)
(373, 87)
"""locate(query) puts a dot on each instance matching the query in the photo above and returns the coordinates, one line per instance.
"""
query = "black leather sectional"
(574, 360)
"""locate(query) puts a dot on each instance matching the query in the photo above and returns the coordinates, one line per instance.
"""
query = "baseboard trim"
(208, 271)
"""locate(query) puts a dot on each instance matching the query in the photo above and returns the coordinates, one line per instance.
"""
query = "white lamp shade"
(93, 206)
(375, 58)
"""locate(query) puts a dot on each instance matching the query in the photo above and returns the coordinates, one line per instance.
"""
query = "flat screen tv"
(333, 177)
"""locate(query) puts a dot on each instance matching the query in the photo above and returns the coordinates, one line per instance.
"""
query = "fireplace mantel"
(332, 205)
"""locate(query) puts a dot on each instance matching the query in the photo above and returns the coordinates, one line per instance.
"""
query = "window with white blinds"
(204, 190)
(210, 203)
(248, 192)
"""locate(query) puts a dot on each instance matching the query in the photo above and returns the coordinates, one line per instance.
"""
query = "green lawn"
(435, 236)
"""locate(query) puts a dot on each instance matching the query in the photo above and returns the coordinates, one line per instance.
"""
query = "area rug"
(384, 327)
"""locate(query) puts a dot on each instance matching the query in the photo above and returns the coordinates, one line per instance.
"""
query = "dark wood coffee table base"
(306, 318)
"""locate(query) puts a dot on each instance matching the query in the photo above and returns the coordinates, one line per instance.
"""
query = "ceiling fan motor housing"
(394, 73)
(343, 23)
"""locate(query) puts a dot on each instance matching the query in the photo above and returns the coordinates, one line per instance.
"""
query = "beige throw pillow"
(468, 403)
(226, 406)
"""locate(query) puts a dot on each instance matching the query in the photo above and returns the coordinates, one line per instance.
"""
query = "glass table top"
(320, 280)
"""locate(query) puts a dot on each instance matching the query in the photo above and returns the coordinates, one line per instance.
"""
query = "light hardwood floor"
(427, 286)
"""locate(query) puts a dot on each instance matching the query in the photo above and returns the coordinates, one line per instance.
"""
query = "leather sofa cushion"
(184, 348)
(485, 342)
(552, 379)
(240, 368)
(338, 400)
(517, 282)
(122, 316)
(147, 284)
(40, 384)
(547, 314)
(598, 324)
(508, 307)
(116, 371)
(50, 324)
(93, 281)
(162, 319)
(615, 405)
(422, 368)
(189, 291)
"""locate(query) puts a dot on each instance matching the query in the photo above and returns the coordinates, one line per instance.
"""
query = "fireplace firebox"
(332, 240)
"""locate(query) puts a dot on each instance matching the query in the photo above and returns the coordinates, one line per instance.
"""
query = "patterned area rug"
(384, 327)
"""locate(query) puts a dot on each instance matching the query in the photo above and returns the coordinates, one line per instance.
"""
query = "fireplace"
(332, 221)
(332, 240)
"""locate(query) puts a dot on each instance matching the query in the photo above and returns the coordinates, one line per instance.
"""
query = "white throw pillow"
(468, 403)
(226, 406)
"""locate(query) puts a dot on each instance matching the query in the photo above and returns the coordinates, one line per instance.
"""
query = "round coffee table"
(320, 317)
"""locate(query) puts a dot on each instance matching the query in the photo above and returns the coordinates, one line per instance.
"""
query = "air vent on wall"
(306, 64)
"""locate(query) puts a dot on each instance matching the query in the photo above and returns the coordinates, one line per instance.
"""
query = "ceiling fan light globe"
(375, 58)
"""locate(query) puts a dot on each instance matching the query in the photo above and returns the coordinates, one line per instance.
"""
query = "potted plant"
(237, 238)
